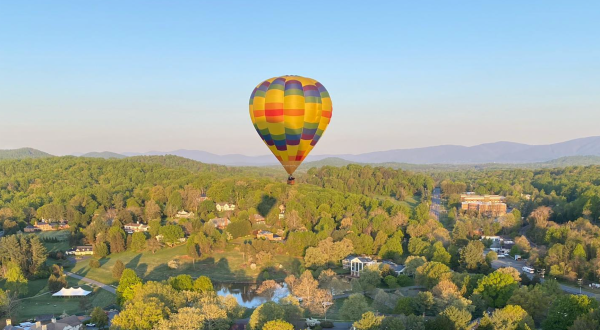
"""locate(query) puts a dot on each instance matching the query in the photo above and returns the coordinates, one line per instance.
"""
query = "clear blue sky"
(162, 75)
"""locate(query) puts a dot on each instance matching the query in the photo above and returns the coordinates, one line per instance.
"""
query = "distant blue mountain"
(498, 152)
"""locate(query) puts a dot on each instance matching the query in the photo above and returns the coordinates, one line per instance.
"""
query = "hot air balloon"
(290, 113)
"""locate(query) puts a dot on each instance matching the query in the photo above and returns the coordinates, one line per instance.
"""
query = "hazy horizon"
(81, 77)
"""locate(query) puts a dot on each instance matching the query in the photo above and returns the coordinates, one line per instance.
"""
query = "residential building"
(398, 269)
(67, 323)
(483, 204)
(257, 219)
(184, 214)
(358, 264)
(281, 211)
(222, 207)
(346, 261)
(131, 228)
(220, 223)
(31, 229)
(265, 234)
(81, 250)
(203, 198)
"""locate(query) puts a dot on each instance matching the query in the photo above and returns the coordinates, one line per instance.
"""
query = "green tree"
(203, 284)
(171, 234)
(15, 280)
(509, 318)
(99, 318)
(100, 250)
(264, 313)
(140, 315)
(392, 323)
(440, 254)
(354, 307)
(566, 309)
(118, 269)
(368, 321)
(392, 248)
(471, 256)
(496, 288)
(181, 282)
(431, 273)
(126, 287)
(278, 325)
(459, 318)
(138, 241)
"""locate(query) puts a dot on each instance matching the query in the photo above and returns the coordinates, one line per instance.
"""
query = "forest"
(331, 213)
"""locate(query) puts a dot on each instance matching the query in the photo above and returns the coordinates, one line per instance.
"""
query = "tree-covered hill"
(103, 154)
(23, 153)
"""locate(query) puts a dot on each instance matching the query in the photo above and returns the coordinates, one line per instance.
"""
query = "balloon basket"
(291, 180)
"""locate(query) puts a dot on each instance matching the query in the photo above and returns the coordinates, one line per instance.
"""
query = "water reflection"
(246, 295)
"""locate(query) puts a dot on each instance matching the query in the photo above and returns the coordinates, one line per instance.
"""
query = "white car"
(502, 256)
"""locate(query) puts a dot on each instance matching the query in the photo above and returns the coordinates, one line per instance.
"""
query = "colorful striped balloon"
(290, 113)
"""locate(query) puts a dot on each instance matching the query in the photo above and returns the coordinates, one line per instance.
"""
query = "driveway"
(106, 287)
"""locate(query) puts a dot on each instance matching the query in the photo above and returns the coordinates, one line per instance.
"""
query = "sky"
(136, 76)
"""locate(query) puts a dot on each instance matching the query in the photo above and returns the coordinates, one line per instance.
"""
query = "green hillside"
(104, 154)
(23, 153)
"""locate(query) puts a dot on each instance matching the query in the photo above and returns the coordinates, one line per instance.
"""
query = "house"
(257, 219)
(31, 229)
(183, 214)
(10, 326)
(203, 198)
(281, 211)
(46, 226)
(67, 323)
(358, 264)
(220, 223)
(265, 234)
(82, 250)
(346, 261)
(222, 207)
(398, 269)
(131, 228)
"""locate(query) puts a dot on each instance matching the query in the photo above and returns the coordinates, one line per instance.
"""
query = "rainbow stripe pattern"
(290, 113)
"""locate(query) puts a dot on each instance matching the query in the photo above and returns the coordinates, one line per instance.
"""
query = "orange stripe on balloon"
(294, 112)
(274, 112)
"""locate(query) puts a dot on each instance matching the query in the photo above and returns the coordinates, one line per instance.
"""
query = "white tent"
(71, 292)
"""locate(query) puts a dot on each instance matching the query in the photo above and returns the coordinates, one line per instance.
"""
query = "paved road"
(436, 207)
(93, 282)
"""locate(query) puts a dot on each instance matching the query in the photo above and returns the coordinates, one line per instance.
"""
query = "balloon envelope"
(290, 113)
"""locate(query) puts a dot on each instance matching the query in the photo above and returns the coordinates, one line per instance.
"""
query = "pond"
(245, 293)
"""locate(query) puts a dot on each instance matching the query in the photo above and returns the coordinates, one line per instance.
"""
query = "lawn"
(222, 266)
(411, 201)
(61, 235)
(33, 306)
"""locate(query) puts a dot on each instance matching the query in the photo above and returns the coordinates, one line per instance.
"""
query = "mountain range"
(498, 152)
(489, 153)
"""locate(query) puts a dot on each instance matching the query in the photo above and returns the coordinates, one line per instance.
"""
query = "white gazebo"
(71, 292)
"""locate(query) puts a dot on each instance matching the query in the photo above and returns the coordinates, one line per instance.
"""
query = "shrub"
(404, 280)
(326, 324)
(94, 263)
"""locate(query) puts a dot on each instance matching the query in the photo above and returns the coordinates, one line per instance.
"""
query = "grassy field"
(223, 266)
(63, 240)
(33, 306)
(411, 202)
